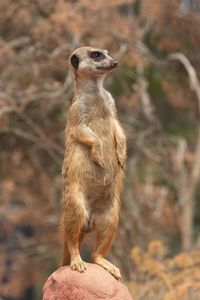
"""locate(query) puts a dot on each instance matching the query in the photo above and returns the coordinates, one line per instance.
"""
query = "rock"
(94, 283)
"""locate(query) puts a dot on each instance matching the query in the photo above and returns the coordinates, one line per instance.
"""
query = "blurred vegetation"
(158, 100)
(161, 278)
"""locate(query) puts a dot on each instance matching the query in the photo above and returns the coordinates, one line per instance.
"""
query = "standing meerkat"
(94, 159)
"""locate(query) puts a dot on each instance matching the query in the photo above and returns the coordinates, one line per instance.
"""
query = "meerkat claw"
(78, 265)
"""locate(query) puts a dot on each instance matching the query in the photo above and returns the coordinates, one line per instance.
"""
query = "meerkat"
(93, 163)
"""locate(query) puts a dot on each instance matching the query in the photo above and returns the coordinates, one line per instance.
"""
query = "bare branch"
(194, 81)
(183, 178)
(142, 87)
(32, 138)
(20, 42)
(7, 109)
(189, 192)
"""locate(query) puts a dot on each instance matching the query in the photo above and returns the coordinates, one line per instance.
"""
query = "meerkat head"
(90, 62)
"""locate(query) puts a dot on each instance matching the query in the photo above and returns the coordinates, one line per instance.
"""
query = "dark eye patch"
(74, 61)
(96, 55)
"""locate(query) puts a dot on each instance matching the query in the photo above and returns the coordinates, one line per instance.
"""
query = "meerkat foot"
(108, 267)
(78, 265)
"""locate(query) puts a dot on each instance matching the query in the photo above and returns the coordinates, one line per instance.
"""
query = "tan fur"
(93, 164)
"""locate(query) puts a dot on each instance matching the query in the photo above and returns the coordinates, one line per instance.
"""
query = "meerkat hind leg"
(105, 236)
(72, 256)
(99, 260)
(73, 228)
(74, 249)
(66, 254)
(76, 261)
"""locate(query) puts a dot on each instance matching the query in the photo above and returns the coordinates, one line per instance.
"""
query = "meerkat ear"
(74, 61)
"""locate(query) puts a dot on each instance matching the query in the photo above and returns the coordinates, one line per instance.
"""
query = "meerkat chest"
(97, 109)
(100, 122)
(98, 112)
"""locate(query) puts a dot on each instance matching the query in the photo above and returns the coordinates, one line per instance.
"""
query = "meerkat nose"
(115, 63)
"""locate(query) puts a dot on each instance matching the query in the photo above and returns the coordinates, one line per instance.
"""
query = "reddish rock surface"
(95, 283)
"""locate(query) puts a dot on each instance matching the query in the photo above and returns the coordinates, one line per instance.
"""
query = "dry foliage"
(162, 278)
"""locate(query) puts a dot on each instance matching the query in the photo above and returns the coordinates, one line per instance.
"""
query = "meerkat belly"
(82, 169)
(104, 131)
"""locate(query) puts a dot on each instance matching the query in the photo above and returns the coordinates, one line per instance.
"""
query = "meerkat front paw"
(121, 155)
(97, 153)
(78, 265)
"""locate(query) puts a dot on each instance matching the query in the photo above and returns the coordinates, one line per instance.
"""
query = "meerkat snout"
(115, 64)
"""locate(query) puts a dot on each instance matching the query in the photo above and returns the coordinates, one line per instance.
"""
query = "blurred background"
(157, 94)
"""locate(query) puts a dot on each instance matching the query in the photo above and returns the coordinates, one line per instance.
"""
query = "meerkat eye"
(97, 55)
